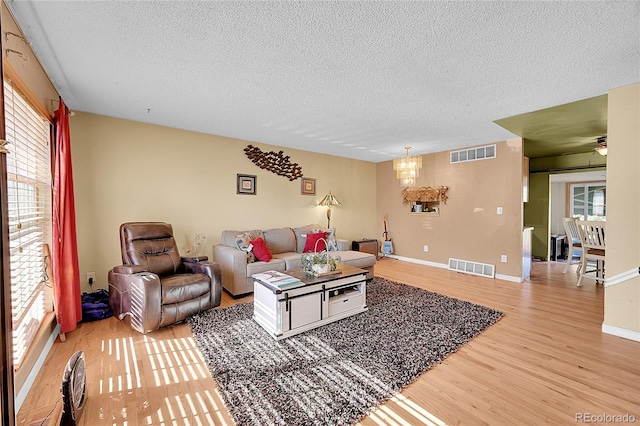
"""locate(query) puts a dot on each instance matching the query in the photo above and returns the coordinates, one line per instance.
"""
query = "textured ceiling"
(355, 79)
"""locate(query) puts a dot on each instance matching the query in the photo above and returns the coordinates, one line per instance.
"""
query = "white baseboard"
(509, 278)
(623, 277)
(26, 387)
(419, 261)
(446, 266)
(621, 332)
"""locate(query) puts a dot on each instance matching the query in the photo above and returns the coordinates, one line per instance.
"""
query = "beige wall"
(130, 171)
(622, 301)
(468, 227)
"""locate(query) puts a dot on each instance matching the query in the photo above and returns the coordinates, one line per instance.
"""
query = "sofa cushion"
(243, 242)
(280, 240)
(229, 236)
(315, 242)
(182, 287)
(259, 267)
(357, 258)
(332, 242)
(301, 233)
(291, 259)
(261, 250)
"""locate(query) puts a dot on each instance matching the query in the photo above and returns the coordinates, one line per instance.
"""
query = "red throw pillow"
(310, 245)
(261, 250)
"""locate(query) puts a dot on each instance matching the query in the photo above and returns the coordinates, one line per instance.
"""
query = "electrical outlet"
(91, 277)
(426, 248)
(499, 210)
(503, 258)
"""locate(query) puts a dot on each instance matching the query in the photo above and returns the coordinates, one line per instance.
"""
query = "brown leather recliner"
(155, 286)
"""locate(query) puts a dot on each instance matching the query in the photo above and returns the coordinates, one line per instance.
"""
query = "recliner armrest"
(144, 289)
(208, 268)
(194, 259)
(129, 269)
(212, 269)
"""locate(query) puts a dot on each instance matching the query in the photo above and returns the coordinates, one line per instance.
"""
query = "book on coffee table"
(278, 279)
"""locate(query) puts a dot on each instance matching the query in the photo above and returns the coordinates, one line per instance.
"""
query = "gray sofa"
(286, 246)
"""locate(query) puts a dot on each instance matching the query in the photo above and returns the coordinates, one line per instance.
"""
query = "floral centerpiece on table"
(314, 263)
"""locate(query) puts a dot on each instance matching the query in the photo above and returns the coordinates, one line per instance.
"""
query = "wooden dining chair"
(575, 244)
(593, 247)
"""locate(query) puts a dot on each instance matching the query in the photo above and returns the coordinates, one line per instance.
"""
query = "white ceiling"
(354, 79)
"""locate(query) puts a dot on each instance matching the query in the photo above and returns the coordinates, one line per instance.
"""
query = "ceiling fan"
(601, 145)
(602, 148)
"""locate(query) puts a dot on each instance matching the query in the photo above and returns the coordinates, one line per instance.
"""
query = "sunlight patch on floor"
(417, 411)
(173, 362)
(401, 411)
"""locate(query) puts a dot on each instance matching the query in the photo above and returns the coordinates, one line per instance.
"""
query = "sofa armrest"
(233, 265)
(145, 289)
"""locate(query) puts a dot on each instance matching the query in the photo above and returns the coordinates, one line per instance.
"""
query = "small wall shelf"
(425, 200)
(431, 208)
(424, 214)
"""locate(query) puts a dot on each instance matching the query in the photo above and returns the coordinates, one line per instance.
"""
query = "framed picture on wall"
(246, 184)
(308, 186)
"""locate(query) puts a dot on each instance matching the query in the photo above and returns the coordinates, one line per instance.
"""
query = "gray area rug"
(336, 374)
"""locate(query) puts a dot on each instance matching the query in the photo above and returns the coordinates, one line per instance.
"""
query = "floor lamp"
(329, 201)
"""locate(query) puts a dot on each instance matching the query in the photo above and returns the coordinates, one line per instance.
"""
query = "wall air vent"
(475, 268)
(473, 154)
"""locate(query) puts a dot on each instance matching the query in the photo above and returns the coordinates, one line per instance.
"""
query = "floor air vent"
(475, 268)
(473, 154)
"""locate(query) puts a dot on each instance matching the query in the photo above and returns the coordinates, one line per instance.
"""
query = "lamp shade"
(330, 200)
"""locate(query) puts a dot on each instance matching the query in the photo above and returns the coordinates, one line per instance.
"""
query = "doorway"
(575, 194)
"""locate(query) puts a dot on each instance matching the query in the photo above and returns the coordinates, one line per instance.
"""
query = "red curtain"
(66, 274)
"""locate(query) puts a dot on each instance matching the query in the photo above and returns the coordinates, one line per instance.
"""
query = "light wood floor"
(546, 361)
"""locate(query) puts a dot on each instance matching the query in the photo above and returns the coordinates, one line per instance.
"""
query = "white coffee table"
(321, 300)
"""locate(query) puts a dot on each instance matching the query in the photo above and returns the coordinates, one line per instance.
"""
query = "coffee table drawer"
(345, 302)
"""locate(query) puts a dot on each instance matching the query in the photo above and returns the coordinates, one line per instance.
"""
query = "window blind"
(29, 216)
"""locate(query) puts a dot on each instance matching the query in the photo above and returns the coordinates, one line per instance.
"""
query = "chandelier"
(407, 168)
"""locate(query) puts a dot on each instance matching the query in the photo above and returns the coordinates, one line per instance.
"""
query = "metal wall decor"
(275, 162)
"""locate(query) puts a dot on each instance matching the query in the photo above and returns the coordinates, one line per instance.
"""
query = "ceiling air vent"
(473, 154)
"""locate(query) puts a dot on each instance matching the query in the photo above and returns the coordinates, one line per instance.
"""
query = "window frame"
(29, 187)
(587, 187)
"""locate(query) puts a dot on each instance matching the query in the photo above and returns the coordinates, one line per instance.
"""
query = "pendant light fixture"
(407, 168)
